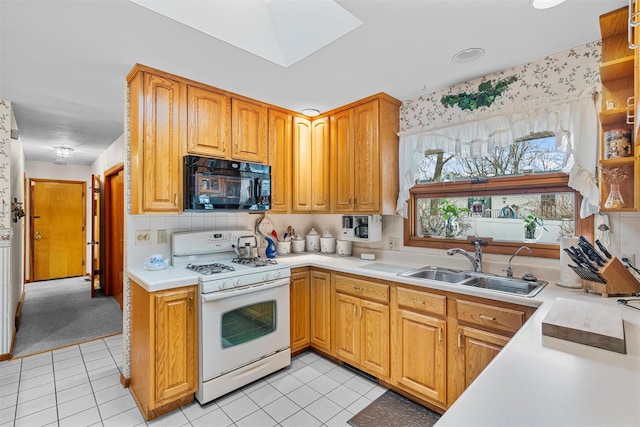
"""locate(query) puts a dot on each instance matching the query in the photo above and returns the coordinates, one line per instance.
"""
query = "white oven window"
(248, 323)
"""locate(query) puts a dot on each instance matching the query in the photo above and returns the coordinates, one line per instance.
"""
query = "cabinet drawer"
(489, 316)
(422, 301)
(362, 288)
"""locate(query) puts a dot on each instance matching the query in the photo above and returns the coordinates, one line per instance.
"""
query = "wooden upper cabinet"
(342, 154)
(158, 132)
(209, 128)
(310, 165)
(366, 159)
(364, 156)
(249, 131)
(280, 160)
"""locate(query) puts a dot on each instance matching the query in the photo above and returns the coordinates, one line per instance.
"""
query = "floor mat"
(391, 410)
(58, 313)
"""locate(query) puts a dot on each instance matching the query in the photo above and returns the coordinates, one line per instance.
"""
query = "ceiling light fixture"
(468, 55)
(311, 112)
(62, 154)
(545, 4)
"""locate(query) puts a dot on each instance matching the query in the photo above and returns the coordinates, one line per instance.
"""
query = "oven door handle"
(229, 293)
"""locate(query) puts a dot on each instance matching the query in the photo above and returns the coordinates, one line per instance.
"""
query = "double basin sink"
(485, 281)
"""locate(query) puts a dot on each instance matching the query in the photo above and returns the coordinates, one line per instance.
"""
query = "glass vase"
(614, 200)
(451, 228)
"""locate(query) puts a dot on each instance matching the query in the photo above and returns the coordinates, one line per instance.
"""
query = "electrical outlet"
(393, 243)
(143, 237)
(162, 236)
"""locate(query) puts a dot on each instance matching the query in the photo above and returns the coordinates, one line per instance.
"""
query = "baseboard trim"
(126, 382)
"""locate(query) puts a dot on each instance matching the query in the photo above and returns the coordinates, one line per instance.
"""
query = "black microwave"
(217, 184)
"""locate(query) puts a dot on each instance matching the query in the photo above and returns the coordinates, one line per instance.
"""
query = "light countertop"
(535, 380)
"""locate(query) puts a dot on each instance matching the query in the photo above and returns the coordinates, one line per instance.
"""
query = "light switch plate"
(143, 237)
(162, 236)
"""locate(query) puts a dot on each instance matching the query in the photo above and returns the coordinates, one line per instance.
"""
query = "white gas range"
(243, 311)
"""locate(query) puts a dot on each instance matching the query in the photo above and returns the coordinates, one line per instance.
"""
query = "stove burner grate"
(208, 269)
(254, 262)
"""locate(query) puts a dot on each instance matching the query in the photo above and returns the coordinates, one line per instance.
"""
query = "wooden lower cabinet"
(320, 287)
(361, 325)
(300, 309)
(419, 352)
(164, 348)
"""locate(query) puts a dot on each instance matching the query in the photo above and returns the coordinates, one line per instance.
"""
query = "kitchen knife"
(591, 251)
(584, 260)
(603, 249)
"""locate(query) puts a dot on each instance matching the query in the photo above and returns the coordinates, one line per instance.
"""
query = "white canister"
(327, 243)
(344, 247)
(283, 248)
(297, 244)
(313, 241)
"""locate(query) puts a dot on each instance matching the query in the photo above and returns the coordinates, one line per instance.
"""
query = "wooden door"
(113, 248)
(57, 229)
(96, 207)
(176, 348)
(302, 163)
(249, 135)
(209, 129)
(374, 338)
(342, 154)
(280, 160)
(347, 328)
(299, 296)
(420, 361)
(366, 158)
(321, 310)
(320, 165)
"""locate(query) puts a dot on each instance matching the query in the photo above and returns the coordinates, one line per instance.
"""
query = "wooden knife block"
(620, 281)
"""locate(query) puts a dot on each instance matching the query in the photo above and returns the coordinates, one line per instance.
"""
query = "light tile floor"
(80, 386)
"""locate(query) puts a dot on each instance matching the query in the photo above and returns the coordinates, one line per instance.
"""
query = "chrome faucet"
(509, 270)
(475, 261)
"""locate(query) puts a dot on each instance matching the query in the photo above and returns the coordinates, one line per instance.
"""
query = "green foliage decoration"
(487, 93)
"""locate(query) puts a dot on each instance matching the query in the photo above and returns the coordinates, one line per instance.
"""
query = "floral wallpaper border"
(563, 75)
(5, 158)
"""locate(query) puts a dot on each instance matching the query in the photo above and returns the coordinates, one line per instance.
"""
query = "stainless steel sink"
(478, 280)
(505, 285)
(436, 273)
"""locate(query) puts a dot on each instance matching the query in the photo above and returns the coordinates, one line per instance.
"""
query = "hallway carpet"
(58, 313)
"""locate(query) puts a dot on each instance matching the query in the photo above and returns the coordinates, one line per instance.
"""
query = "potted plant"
(451, 213)
(531, 223)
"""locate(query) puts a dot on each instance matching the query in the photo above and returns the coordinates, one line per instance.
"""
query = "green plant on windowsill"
(451, 214)
(531, 224)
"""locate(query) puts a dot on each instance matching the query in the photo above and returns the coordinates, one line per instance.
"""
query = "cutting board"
(588, 323)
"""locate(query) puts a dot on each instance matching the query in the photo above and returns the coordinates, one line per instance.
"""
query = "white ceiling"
(63, 63)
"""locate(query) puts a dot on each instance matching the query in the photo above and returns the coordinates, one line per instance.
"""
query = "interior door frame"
(96, 236)
(105, 234)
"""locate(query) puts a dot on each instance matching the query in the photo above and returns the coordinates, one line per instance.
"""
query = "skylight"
(280, 31)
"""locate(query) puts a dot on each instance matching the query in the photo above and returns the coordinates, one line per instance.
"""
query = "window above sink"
(496, 207)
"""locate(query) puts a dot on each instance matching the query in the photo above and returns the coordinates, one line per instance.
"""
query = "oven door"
(240, 326)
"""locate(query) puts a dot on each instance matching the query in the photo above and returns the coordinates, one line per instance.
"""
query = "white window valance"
(573, 121)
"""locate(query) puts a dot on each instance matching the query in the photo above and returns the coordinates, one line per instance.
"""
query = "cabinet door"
(280, 160)
(342, 156)
(374, 338)
(420, 359)
(302, 162)
(209, 129)
(366, 158)
(321, 310)
(164, 134)
(299, 296)
(249, 121)
(176, 346)
(347, 327)
(320, 165)
(479, 348)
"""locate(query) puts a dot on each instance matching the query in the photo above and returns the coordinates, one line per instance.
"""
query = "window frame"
(518, 184)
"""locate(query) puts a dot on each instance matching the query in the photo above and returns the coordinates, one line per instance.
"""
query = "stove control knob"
(223, 284)
(237, 283)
